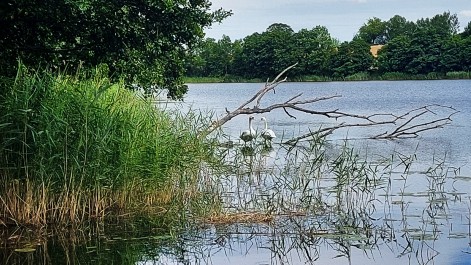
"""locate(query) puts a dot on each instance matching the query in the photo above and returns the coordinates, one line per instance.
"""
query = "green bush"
(394, 76)
(313, 78)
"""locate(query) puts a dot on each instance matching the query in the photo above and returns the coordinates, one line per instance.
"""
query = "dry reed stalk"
(28, 203)
(243, 217)
(23, 204)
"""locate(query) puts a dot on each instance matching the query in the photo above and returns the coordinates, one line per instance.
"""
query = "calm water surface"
(364, 98)
(424, 216)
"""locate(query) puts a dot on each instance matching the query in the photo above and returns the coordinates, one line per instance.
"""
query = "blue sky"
(342, 18)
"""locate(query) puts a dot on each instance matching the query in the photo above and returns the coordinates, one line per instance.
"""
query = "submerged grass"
(79, 148)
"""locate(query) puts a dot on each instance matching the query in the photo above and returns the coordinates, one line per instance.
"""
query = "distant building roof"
(375, 48)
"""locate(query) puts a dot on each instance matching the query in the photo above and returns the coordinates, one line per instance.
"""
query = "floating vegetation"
(242, 217)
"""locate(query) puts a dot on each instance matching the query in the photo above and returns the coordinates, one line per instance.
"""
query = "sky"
(342, 18)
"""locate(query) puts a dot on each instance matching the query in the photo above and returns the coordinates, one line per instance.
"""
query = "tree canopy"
(142, 41)
(429, 45)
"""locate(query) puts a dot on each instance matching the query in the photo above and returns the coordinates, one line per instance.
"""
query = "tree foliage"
(313, 50)
(373, 32)
(212, 58)
(266, 54)
(397, 55)
(352, 57)
(467, 31)
(398, 26)
(429, 45)
(142, 41)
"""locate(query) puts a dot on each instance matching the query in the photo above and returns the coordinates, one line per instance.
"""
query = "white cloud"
(465, 13)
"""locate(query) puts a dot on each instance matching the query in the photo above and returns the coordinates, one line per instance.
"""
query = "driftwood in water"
(406, 125)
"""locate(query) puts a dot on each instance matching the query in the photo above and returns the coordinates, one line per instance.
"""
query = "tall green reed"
(84, 146)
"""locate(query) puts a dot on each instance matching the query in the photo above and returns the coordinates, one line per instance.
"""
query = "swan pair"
(250, 134)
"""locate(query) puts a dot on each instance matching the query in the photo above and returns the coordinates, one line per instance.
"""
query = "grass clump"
(78, 148)
(458, 75)
(361, 76)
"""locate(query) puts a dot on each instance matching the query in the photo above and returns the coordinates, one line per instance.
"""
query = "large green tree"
(278, 47)
(266, 54)
(374, 31)
(312, 50)
(396, 55)
(456, 54)
(212, 58)
(352, 57)
(142, 41)
(398, 26)
(247, 63)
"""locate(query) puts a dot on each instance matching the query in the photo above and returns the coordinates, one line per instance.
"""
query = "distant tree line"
(425, 47)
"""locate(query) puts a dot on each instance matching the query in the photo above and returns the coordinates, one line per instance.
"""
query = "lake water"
(410, 204)
(364, 98)
(420, 217)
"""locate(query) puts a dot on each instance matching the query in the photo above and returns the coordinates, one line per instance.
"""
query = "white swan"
(267, 134)
(248, 135)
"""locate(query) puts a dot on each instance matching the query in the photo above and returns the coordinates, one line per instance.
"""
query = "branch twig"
(406, 125)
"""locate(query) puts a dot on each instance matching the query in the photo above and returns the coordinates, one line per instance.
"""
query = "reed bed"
(79, 148)
(458, 75)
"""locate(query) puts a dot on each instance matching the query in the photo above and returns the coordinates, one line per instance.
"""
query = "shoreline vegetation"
(77, 150)
(393, 76)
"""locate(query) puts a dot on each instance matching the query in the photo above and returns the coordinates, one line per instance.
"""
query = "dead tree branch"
(243, 109)
(406, 125)
(409, 129)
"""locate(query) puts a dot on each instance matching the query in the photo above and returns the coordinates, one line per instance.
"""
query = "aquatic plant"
(77, 148)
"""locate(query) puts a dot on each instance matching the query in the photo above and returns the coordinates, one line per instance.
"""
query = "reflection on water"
(326, 202)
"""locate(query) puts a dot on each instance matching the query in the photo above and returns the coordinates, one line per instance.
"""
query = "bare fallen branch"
(409, 130)
(406, 125)
(243, 109)
(403, 124)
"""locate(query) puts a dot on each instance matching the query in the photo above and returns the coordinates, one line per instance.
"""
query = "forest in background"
(429, 48)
